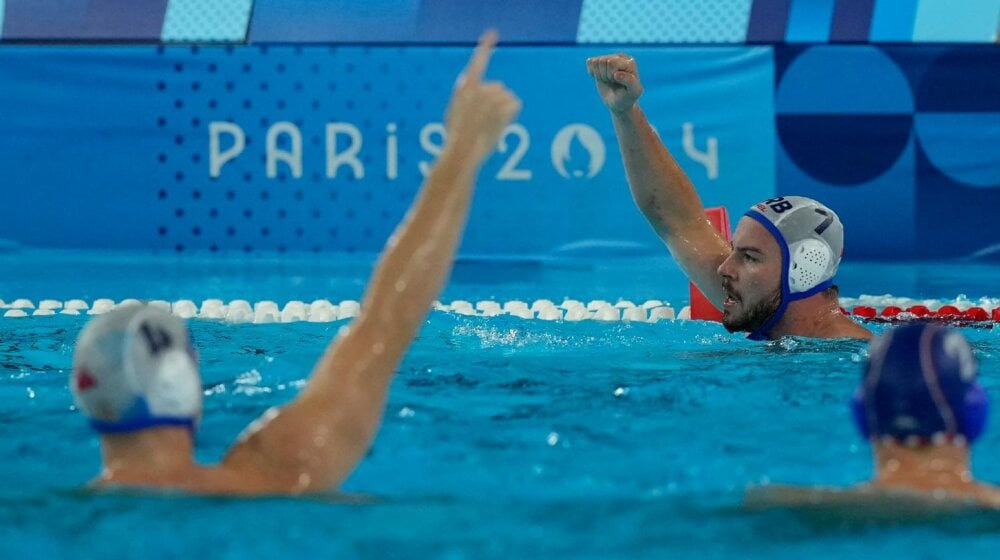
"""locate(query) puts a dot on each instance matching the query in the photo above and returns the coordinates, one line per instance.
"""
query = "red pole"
(701, 308)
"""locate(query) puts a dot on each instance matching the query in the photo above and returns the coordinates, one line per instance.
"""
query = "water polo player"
(135, 374)
(776, 278)
(920, 406)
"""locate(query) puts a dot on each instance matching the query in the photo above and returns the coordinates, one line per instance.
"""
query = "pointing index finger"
(481, 57)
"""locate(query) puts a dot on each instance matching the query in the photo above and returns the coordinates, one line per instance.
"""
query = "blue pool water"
(503, 438)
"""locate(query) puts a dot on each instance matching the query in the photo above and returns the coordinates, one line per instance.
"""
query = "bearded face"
(749, 316)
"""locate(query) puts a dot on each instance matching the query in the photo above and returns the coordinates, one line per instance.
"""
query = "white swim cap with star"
(135, 368)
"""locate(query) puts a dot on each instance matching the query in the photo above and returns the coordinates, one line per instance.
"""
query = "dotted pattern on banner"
(664, 21)
(2, 9)
(306, 87)
(197, 20)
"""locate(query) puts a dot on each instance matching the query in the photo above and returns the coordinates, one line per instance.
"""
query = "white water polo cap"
(811, 238)
(135, 368)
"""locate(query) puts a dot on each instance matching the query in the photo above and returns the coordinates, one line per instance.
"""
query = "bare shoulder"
(870, 503)
(849, 328)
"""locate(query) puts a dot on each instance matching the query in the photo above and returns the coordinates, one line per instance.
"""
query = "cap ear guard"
(173, 388)
(809, 261)
(971, 422)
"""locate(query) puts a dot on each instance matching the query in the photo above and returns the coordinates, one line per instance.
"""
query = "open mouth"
(731, 298)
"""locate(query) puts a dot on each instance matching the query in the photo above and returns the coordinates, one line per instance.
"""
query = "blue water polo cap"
(135, 368)
(919, 385)
(811, 239)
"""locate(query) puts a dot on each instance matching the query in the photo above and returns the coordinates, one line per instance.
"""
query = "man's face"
(751, 278)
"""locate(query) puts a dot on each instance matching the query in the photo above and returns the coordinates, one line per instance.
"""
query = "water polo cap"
(135, 368)
(811, 239)
(920, 384)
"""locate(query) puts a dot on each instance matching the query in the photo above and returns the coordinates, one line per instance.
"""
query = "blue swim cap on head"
(811, 238)
(135, 368)
(920, 382)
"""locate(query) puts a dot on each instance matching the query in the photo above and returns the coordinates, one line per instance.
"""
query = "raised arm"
(661, 189)
(316, 441)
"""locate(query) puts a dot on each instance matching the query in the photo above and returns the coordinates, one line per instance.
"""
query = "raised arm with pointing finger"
(135, 375)
(776, 278)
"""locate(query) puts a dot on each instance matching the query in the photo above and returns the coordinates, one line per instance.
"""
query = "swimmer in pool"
(776, 278)
(135, 375)
(920, 407)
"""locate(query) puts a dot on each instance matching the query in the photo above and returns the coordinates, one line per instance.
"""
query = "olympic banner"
(322, 148)
(901, 141)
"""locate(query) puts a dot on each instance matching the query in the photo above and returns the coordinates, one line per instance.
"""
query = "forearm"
(314, 442)
(661, 189)
(357, 367)
(417, 259)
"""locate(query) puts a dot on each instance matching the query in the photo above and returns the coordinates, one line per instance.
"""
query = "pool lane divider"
(945, 313)
(323, 311)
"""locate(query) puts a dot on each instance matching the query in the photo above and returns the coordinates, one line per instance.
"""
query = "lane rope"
(884, 309)
(324, 311)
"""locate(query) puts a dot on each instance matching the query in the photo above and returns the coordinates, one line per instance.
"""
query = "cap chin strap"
(140, 424)
(139, 418)
(786, 295)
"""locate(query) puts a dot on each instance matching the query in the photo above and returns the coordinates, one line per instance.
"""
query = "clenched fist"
(617, 79)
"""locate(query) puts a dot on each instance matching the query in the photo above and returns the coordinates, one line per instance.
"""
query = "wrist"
(627, 114)
(460, 156)
(465, 148)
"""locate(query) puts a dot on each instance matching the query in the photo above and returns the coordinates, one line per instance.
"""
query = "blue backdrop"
(901, 141)
(322, 148)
